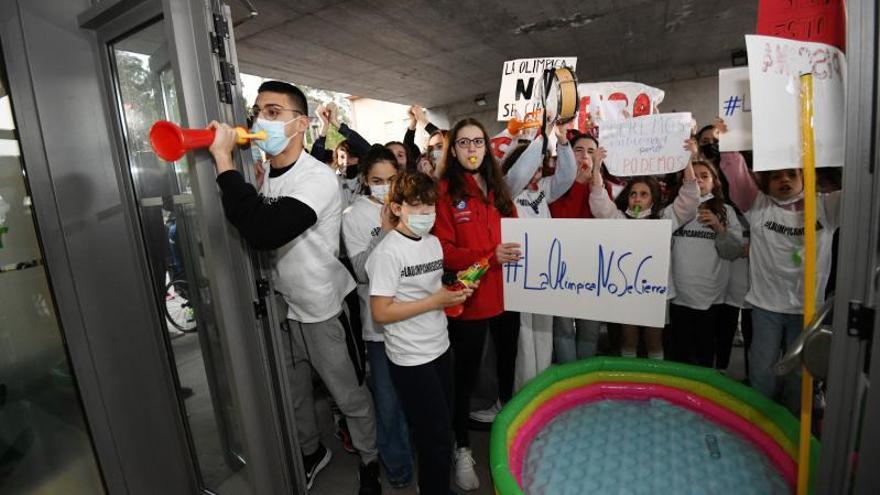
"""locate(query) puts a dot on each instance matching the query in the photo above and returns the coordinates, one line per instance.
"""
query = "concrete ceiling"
(439, 52)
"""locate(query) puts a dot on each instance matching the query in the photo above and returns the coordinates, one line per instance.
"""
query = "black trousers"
(728, 319)
(468, 338)
(693, 335)
(425, 393)
(747, 335)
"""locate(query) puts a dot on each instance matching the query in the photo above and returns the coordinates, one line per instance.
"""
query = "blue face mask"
(276, 141)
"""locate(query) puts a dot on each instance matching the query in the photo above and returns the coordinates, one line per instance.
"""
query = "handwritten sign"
(735, 107)
(649, 145)
(613, 101)
(804, 20)
(605, 270)
(774, 70)
(521, 84)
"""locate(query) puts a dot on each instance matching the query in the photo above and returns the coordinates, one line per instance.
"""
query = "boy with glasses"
(297, 214)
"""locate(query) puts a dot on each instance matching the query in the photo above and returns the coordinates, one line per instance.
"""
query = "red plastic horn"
(171, 142)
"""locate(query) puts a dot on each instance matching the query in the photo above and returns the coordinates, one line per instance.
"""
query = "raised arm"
(566, 167)
(522, 171)
(600, 204)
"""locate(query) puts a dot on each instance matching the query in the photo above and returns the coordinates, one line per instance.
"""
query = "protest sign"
(804, 20)
(521, 82)
(605, 270)
(735, 107)
(611, 101)
(649, 145)
(774, 70)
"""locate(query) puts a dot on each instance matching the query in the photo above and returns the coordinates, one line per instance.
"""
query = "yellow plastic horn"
(244, 137)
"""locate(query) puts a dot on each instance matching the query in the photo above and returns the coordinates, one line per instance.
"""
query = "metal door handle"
(792, 357)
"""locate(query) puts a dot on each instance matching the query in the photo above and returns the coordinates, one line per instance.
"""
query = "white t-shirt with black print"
(776, 252)
(410, 269)
(306, 270)
(700, 275)
(361, 223)
(534, 204)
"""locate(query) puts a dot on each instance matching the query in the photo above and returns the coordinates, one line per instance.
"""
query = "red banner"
(821, 21)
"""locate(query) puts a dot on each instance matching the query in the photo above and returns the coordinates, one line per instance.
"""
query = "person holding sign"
(641, 199)
(407, 297)
(522, 170)
(576, 338)
(701, 254)
(473, 199)
(774, 208)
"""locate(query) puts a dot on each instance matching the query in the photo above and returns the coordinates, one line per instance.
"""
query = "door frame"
(231, 278)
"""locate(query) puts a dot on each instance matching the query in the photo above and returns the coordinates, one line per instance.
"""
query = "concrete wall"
(698, 96)
(379, 121)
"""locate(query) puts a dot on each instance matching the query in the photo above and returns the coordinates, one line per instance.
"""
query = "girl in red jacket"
(473, 198)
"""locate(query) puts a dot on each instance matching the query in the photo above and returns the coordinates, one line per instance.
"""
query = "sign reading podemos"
(649, 145)
(605, 270)
(521, 83)
(775, 66)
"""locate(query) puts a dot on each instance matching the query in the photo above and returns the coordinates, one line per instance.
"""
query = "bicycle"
(177, 308)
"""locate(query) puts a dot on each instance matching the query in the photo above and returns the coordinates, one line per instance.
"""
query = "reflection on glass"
(44, 441)
(169, 221)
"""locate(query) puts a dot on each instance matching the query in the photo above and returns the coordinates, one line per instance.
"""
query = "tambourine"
(560, 98)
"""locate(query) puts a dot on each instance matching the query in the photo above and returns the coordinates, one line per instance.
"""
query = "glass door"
(45, 445)
(169, 221)
(159, 66)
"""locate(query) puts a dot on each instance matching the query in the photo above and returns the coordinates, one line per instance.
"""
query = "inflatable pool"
(617, 425)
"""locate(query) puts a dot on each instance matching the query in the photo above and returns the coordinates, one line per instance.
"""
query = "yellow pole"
(809, 260)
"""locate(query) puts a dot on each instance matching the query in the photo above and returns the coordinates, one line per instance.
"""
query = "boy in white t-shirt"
(407, 298)
(297, 215)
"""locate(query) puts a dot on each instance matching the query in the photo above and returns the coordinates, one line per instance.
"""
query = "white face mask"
(790, 201)
(379, 192)
(420, 225)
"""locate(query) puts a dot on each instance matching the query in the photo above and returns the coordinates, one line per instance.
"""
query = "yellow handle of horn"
(244, 137)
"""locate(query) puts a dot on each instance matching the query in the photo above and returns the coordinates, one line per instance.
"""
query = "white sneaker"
(465, 476)
(486, 415)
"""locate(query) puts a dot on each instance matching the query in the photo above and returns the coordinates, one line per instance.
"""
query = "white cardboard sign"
(735, 107)
(775, 65)
(521, 82)
(605, 270)
(648, 145)
(610, 101)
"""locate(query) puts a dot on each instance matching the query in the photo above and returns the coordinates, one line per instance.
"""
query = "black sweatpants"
(468, 338)
(425, 393)
(693, 335)
(728, 320)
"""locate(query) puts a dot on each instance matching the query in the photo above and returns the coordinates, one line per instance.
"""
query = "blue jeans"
(392, 434)
(574, 339)
(773, 333)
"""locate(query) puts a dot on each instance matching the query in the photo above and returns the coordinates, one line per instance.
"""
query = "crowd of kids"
(363, 238)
